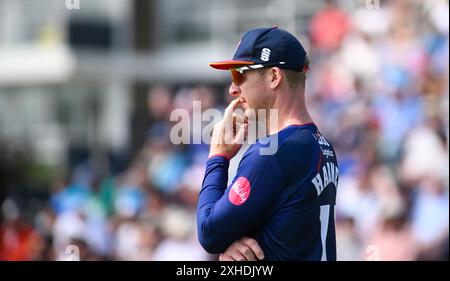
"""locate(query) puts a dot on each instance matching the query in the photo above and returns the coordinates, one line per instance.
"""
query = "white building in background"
(73, 77)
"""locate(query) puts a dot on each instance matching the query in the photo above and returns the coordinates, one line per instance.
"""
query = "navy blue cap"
(267, 47)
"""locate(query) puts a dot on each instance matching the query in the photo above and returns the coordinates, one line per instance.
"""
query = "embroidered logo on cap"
(265, 54)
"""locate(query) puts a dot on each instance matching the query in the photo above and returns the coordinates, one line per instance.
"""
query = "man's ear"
(274, 77)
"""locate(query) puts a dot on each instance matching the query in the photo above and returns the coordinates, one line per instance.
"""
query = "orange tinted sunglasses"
(237, 76)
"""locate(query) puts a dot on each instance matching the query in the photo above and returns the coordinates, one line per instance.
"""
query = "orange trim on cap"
(227, 64)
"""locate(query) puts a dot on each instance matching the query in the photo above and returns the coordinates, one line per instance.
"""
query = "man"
(279, 206)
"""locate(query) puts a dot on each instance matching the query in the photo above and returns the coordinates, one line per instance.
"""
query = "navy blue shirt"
(285, 201)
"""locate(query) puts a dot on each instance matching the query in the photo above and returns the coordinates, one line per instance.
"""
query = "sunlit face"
(251, 88)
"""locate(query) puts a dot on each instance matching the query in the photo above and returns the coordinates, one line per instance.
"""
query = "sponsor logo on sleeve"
(240, 191)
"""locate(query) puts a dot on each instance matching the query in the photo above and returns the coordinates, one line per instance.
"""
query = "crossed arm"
(244, 249)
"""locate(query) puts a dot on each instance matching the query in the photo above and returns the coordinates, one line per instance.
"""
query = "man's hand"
(244, 249)
(230, 133)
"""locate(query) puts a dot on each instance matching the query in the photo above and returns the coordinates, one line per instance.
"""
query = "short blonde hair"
(293, 77)
(297, 78)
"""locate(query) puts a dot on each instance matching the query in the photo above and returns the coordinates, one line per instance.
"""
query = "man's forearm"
(213, 188)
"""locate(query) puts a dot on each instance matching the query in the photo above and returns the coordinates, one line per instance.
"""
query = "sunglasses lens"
(237, 77)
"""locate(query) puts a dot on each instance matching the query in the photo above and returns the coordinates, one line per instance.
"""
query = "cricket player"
(279, 206)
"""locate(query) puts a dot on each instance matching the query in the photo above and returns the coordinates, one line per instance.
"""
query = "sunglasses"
(237, 74)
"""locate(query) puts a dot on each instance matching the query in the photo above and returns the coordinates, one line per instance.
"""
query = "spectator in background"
(378, 88)
(19, 240)
(329, 27)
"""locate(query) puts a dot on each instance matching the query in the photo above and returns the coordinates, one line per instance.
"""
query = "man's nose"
(234, 90)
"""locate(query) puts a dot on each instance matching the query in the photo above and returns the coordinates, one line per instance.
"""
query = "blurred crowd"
(378, 89)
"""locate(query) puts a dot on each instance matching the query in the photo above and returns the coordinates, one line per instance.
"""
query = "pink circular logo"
(239, 192)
